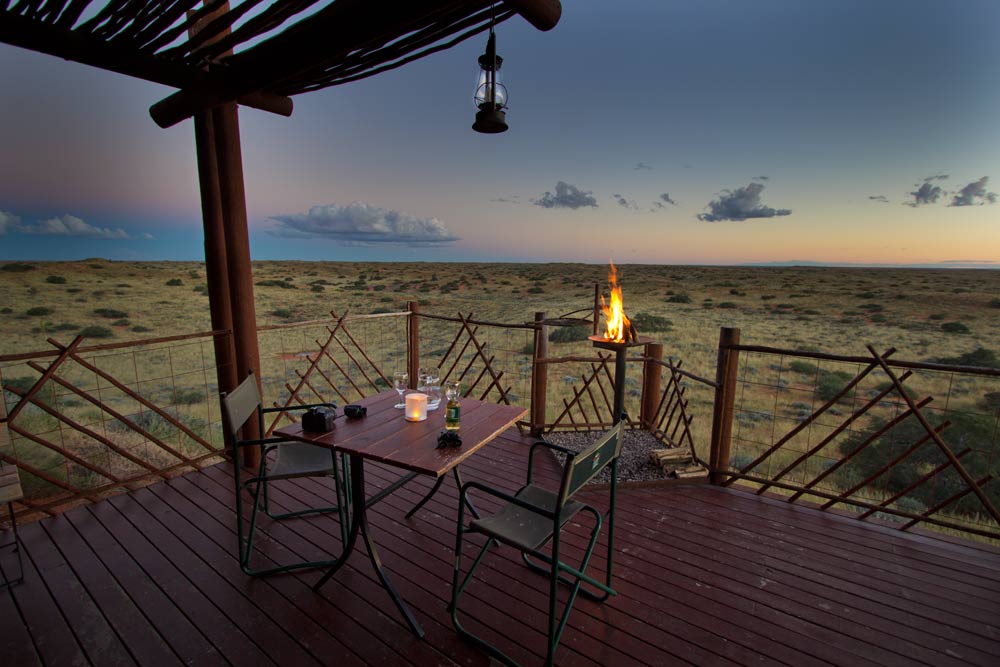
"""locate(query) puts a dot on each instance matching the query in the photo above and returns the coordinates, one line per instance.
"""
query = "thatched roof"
(259, 55)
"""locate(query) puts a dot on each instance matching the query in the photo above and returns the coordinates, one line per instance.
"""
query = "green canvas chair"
(534, 517)
(290, 460)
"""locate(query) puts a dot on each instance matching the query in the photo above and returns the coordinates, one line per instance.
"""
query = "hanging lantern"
(491, 95)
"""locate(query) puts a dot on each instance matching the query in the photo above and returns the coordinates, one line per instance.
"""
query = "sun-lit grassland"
(923, 314)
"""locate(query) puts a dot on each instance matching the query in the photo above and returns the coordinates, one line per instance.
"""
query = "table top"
(385, 436)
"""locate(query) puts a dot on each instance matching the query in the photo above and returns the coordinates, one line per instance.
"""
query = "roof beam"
(332, 33)
(82, 48)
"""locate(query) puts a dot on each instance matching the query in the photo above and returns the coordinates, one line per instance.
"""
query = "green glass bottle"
(453, 409)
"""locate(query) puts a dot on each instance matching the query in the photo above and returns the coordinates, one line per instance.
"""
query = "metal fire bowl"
(604, 343)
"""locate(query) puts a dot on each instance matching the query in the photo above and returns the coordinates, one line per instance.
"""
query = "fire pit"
(619, 335)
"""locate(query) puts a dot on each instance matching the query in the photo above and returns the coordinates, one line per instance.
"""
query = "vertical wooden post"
(215, 255)
(597, 307)
(650, 385)
(413, 342)
(539, 376)
(225, 120)
(726, 370)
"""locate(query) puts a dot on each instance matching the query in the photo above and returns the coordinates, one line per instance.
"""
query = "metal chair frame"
(13, 492)
(257, 485)
(539, 515)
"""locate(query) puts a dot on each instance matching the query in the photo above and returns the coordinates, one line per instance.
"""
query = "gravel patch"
(633, 465)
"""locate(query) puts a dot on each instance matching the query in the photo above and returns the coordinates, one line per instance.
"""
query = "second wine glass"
(399, 381)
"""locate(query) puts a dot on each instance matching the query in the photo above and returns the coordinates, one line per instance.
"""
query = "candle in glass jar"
(416, 407)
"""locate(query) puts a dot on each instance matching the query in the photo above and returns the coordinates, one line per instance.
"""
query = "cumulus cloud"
(662, 202)
(70, 225)
(881, 198)
(512, 200)
(641, 166)
(740, 204)
(974, 193)
(624, 202)
(926, 193)
(566, 196)
(363, 224)
(761, 178)
(8, 222)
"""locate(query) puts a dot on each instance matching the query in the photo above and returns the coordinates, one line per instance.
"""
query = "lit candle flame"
(614, 315)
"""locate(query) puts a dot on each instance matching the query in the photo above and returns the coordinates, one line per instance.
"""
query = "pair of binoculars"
(355, 411)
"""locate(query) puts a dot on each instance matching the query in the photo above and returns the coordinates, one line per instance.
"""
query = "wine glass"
(399, 381)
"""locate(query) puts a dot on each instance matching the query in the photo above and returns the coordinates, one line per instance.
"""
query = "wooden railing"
(82, 421)
(865, 434)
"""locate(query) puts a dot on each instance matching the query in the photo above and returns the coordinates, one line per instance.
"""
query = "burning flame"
(614, 315)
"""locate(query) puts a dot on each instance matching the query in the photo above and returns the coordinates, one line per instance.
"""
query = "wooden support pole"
(413, 342)
(726, 369)
(539, 376)
(225, 121)
(650, 385)
(215, 254)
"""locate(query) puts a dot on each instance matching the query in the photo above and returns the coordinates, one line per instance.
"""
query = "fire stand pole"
(619, 414)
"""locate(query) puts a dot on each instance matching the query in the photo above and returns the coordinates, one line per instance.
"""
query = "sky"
(643, 131)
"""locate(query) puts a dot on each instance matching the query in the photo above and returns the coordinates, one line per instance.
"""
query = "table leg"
(434, 489)
(359, 523)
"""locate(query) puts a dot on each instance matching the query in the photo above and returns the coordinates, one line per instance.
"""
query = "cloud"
(641, 165)
(662, 202)
(881, 198)
(70, 225)
(8, 222)
(938, 177)
(625, 203)
(148, 237)
(363, 224)
(974, 193)
(566, 196)
(927, 193)
(761, 178)
(740, 204)
(665, 197)
(513, 200)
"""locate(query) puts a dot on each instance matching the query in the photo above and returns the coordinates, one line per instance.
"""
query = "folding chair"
(10, 491)
(534, 517)
(293, 459)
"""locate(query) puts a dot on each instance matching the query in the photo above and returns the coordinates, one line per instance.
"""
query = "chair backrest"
(582, 468)
(240, 404)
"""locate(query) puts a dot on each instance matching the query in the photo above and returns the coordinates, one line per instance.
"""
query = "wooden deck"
(706, 576)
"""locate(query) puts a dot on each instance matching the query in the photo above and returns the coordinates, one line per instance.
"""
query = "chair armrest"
(544, 443)
(304, 406)
(260, 441)
(503, 496)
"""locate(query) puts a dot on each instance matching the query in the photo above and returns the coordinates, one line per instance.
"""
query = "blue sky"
(828, 130)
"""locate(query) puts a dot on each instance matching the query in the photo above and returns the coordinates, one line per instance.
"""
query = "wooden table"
(384, 436)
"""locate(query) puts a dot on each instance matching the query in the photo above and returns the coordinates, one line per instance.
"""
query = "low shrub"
(980, 357)
(955, 328)
(727, 304)
(17, 267)
(284, 313)
(121, 323)
(55, 280)
(174, 282)
(679, 298)
(38, 311)
(803, 367)
(110, 313)
(187, 396)
(535, 290)
(65, 326)
(569, 334)
(318, 288)
(995, 303)
(140, 329)
(6, 311)
(96, 332)
(651, 322)
(283, 284)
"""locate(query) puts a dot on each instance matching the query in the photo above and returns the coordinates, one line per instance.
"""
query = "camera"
(318, 420)
(355, 411)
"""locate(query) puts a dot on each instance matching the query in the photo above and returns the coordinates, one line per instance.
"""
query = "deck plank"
(706, 576)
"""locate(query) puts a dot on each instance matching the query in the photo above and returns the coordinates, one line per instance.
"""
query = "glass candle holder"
(416, 407)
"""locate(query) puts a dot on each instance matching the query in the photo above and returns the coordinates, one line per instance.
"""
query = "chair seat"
(298, 459)
(522, 528)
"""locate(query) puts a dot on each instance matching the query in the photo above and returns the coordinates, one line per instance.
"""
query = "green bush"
(65, 326)
(569, 334)
(965, 430)
(17, 267)
(174, 282)
(284, 313)
(979, 357)
(830, 383)
(991, 401)
(727, 304)
(121, 323)
(995, 303)
(140, 329)
(110, 313)
(38, 311)
(679, 298)
(6, 311)
(55, 280)
(187, 396)
(535, 290)
(651, 322)
(803, 367)
(283, 284)
(317, 288)
(96, 332)
(954, 327)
